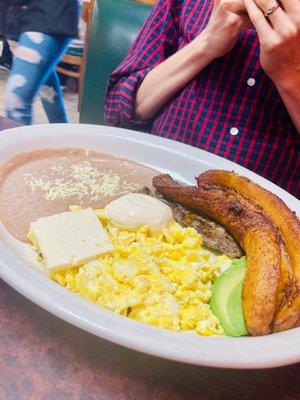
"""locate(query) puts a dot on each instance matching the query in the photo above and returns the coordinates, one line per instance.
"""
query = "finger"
(278, 18)
(291, 6)
(263, 28)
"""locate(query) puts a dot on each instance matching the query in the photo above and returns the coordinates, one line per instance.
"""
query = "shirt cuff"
(125, 97)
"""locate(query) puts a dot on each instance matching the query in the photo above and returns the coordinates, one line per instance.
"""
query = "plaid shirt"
(231, 108)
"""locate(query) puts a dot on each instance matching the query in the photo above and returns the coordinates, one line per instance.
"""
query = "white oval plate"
(183, 162)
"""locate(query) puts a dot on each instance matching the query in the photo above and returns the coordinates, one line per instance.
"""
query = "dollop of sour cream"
(134, 210)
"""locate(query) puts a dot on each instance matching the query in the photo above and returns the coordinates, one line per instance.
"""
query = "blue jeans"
(33, 72)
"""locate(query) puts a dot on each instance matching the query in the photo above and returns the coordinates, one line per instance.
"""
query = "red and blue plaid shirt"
(231, 108)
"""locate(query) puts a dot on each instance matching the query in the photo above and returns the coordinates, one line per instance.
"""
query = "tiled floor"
(39, 116)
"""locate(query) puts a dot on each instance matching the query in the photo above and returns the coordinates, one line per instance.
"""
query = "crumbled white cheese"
(78, 180)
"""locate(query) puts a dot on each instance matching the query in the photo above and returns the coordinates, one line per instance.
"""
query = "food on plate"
(226, 301)
(47, 181)
(288, 303)
(161, 277)
(255, 234)
(214, 235)
(285, 219)
(138, 243)
(288, 313)
(134, 210)
(69, 239)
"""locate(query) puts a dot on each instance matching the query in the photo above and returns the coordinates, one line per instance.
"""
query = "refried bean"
(47, 181)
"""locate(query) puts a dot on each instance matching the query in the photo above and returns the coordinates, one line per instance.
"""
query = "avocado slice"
(226, 301)
(235, 310)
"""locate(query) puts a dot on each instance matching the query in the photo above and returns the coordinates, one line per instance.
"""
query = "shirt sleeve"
(157, 40)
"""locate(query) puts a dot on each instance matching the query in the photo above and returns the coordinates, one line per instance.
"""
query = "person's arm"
(154, 70)
(157, 40)
(279, 36)
(290, 94)
(171, 75)
(227, 20)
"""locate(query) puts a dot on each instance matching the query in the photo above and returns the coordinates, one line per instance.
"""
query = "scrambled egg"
(163, 278)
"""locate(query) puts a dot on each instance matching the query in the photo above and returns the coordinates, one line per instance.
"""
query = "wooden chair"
(114, 24)
(70, 59)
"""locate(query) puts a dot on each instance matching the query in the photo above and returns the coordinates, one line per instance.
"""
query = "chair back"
(113, 27)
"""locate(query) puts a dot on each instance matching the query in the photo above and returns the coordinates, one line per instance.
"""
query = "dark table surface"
(43, 357)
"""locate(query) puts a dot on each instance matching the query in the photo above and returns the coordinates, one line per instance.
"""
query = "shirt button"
(234, 131)
(251, 82)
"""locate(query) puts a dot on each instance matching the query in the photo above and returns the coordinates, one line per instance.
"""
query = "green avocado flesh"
(226, 301)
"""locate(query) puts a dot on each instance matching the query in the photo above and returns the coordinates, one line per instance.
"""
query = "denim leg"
(52, 99)
(34, 63)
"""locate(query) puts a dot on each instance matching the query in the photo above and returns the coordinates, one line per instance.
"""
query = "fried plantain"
(288, 310)
(255, 234)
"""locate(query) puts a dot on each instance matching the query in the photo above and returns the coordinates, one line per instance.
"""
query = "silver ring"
(271, 10)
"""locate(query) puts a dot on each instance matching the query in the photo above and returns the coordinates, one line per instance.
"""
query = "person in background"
(78, 43)
(6, 57)
(221, 75)
(43, 30)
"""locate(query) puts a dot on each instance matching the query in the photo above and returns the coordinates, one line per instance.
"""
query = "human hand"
(227, 20)
(279, 36)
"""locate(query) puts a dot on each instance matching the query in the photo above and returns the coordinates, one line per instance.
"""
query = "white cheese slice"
(70, 239)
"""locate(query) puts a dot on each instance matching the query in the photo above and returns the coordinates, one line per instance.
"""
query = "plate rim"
(62, 312)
